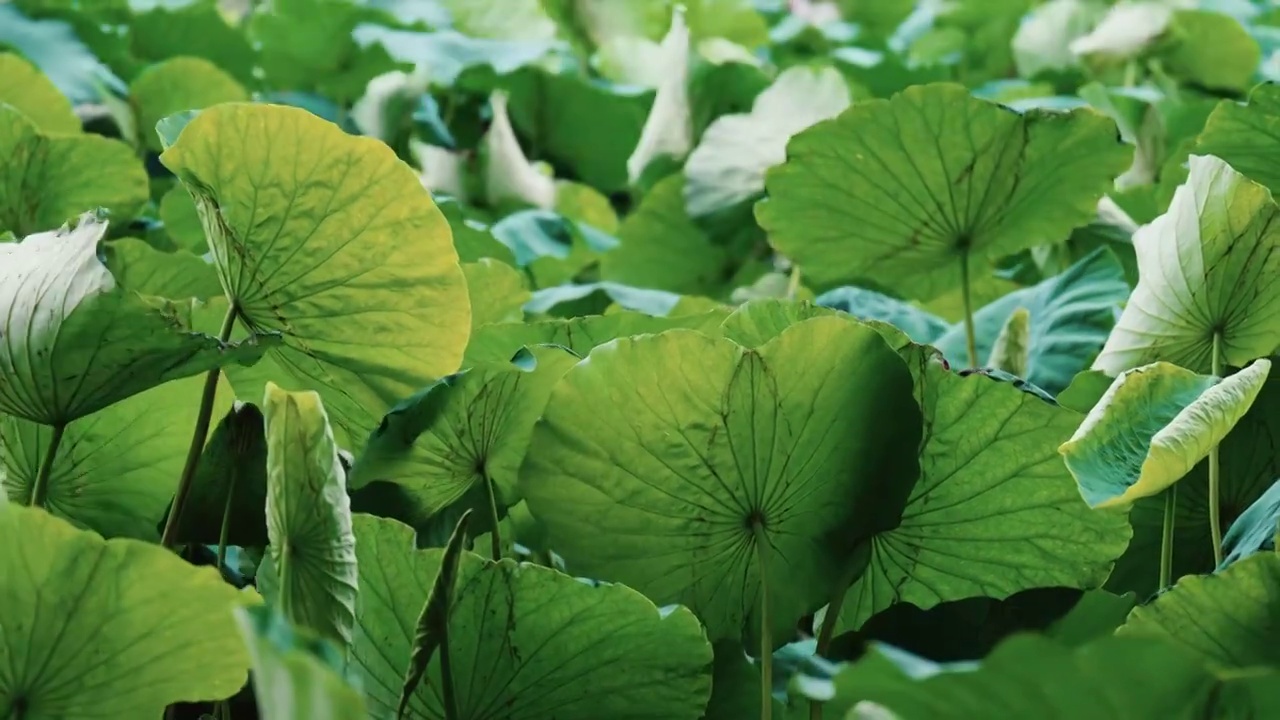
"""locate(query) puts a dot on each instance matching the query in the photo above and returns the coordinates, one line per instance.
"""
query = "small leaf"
(433, 624)
(312, 550)
(49, 179)
(175, 85)
(28, 90)
(1255, 530)
(1152, 426)
(1012, 346)
(296, 675)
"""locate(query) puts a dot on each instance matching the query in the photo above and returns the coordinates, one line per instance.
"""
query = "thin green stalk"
(495, 537)
(825, 633)
(1166, 539)
(226, 516)
(1215, 469)
(40, 490)
(446, 678)
(198, 437)
(766, 634)
(970, 335)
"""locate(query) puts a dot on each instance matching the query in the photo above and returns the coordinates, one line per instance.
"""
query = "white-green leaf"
(1206, 268)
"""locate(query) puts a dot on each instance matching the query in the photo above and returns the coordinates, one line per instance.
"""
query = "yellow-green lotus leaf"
(1152, 426)
(48, 179)
(27, 89)
(331, 240)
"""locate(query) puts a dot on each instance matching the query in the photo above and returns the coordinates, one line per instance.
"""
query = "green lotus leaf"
(168, 29)
(116, 470)
(310, 45)
(182, 221)
(1255, 530)
(330, 240)
(660, 230)
(537, 643)
(142, 268)
(728, 166)
(181, 83)
(74, 342)
(1204, 277)
(1028, 676)
(313, 561)
(1247, 136)
(296, 675)
(994, 510)
(1152, 426)
(34, 95)
(1012, 347)
(1245, 474)
(108, 628)
(585, 125)
(498, 292)
(721, 480)
(500, 341)
(228, 494)
(1211, 49)
(50, 179)
(913, 190)
(1231, 618)
(462, 439)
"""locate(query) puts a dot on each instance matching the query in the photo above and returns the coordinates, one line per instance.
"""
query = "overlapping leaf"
(905, 190)
(330, 240)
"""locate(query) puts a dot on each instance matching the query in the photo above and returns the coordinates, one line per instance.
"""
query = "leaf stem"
(446, 678)
(766, 633)
(225, 530)
(1215, 469)
(198, 436)
(495, 537)
(40, 490)
(825, 632)
(970, 335)
(1166, 539)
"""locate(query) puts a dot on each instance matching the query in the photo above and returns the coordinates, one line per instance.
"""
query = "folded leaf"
(1152, 426)
(1206, 268)
(72, 341)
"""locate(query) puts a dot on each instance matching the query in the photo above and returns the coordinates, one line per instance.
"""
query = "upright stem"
(970, 335)
(1166, 539)
(766, 634)
(1215, 471)
(224, 532)
(495, 537)
(825, 633)
(446, 679)
(40, 490)
(198, 437)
